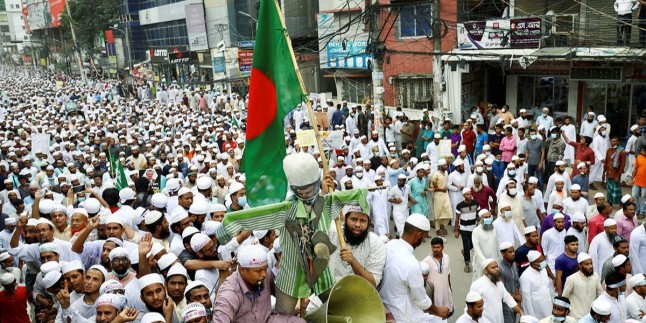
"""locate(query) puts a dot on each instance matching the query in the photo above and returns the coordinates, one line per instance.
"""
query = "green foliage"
(90, 18)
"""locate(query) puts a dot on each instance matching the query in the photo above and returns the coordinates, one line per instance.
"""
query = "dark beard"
(353, 239)
(487, 227)
(494, 278)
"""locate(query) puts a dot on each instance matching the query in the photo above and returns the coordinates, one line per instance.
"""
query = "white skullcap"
(184, 190)
(7, 278)
(46, 206)
(528, 319)
(625, 198)
(401, 176)
(259, 234)
(153, 318)
(505, 245)
(152, 217)
(473, 297)
(582, 257)
(193, 284)
(192, 311)
(119, 252)
(10, 221)
(177, 269)
(199, 207)
(159, 200)
(483, 212)
(560, 163)
(113, 219)
(637, 280)
(100, 268)
(155, 250)
(204, 183)
(48, 246)
(4, 256)
(618, 260)
(115, 300)
(458, 162)
(578, 217)
(532, 255)
(149, 280)
(533, 180)
(198, 241)
(210, 227)
(252, 256)
(172, 185)
(426, 269)
(466, 190)
(218, 208)
(235, 187)
(441, 162)
(599, 195)
(529, 229)
(487, 262)
(419, 221)
(301, 169)
(45, 221)
(609, 223)
(580, 165)
(49, 267)
(51, 278)
(634, 127)
(92, 206)
(67, 267)
(558, 178)
(189, 231)
(109, 286)
(462, 148)
(558, 216)
(601, 307)
(575, 187)
(178, 214)
(126, 194)
(166, 260)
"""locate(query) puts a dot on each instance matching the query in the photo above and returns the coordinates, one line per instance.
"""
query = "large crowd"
(127, 203)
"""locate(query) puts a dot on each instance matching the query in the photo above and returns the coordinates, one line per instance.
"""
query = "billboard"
(245, 61)
(37, 13)
(500, 33)
(56, 8)
(353, 56)
(218, 64)
(195, 27)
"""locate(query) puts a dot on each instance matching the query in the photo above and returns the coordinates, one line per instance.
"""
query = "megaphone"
(352, 299)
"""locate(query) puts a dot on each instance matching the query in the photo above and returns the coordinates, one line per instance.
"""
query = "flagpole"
(308, 103)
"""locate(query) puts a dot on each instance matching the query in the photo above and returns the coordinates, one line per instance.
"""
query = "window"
(415, 21)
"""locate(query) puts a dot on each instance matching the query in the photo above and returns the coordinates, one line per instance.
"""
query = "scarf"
(615, 157)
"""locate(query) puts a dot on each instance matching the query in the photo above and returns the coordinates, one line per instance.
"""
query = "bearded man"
(485, 242)
(492, 290)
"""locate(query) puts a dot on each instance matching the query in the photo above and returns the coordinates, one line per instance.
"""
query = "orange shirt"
(640, 171)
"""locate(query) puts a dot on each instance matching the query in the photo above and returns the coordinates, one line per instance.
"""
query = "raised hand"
(145, 244)
(63, 297)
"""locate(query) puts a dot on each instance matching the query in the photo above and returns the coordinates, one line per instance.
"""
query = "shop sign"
(181, 57)
(596, 73)
(500, 33)
(245, 61)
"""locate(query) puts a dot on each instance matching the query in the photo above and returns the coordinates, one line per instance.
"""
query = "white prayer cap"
(192, 311)
(559, 216)
(193, 284)
(204, 183)
(10, 221)
(48, 246)
(625, 198)
(618, 260)
(166, 260)
(483, 212)
(529, 229)
(522, 111)
(473, 297)
(560, 163)
(458, 162)
(466, 190)
(609, 223)
(7, 278)
(532, 255)
(575, 187)
(50, 266)
(235, 187)
(601, 118)
(110, 285)
(441, 162)
(259, 234)
(559, 178)
(177, 269)
(184, 190)
(634, 127)
(152, 217)
(505, 245)
(210, 227)
(113, 219)
(580, 165)
(69, 266)
(419, 221)
(252, 256)
(486, 147)
(189, 231)
(198, 241)
(218, 207)
(172, 185)
(533, 180)
(178, 214)
(582, 257)
(437, 136)
(45, 221)
(126, 194)
(487, 262)
(301, 169)
(462, 148)
(578, 217)
(92, 206)
(528, 319)
(637, 280)
(100, 268)
(46, 206)
(426, 269)
(149, 280)
(4, 256)
(155, 250)
(115, 300)
(118, 252)
(153, 318)
(159, 200)
(51, 278)
(601, 307)
(401, 176)
(599, 195)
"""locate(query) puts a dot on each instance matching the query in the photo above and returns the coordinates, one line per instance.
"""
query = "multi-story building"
(16, 26)
(564, 56)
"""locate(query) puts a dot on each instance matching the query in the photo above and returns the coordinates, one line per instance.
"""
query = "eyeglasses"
(42, 230)
(120, 260)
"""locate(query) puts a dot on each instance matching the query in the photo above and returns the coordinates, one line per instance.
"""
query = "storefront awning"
(553, 52)
(485, 55)
(557, 53)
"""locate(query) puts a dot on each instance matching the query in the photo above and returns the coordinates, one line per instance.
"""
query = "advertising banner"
(195, 27)
(500, 33)
(353, 56)
(56, 8)
(245, 60)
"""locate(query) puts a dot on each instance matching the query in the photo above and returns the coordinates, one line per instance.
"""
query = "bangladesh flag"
(117, 173)
(274, 90)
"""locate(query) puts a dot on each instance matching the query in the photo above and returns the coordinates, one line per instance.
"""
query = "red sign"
(109, 36)
(245, 61)
(56, 9)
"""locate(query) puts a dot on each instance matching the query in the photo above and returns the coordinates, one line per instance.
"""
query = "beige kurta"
(441, 201)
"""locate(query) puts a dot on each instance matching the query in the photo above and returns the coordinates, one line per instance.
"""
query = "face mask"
(554, 136)
(558, 318)
(512, 173)
(479, 169)
(488, 220)
(428, 127)
(513, 191)
(543, 264)
(613, 147)
(507, 214)
(603, 133)
(489, 168)
(534, 137)
(242, 201)
(359, 175)
(544, 114)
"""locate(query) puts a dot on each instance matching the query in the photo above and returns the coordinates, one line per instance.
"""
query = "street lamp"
(115, 27)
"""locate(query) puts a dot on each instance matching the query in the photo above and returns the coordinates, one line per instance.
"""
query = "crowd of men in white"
(516, 191)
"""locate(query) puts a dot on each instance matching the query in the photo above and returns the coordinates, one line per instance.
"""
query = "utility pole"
(377, 48)
(437, 59)
(79, 61)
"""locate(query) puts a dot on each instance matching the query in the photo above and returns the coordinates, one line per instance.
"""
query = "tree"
(90, 18)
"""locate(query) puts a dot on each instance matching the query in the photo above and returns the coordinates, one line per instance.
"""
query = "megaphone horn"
(352, 299)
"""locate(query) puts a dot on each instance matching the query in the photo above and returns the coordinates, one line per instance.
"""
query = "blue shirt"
(498, 170)
(392, 175)
(337, 118)
(567, 265)
(480, 140)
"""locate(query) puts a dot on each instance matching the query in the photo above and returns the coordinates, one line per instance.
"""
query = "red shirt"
(595, 226)
(13, 307)
(469, 139)
(482, 197)
(582, 154)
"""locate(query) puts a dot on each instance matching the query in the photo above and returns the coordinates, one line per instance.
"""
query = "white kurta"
(378, 201)
(617, 307)
(600, 146)
(638, 249)
(571, 206)
(550, 183)
(485, 245)
(600, 250)
(537, 297)
(553, 245)
(400, 210)
(507, 231)
(570, 132)
(455, 194)
(581, 291)
(587, 128)
(493, 296)
(581, 235)
(634, 305)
